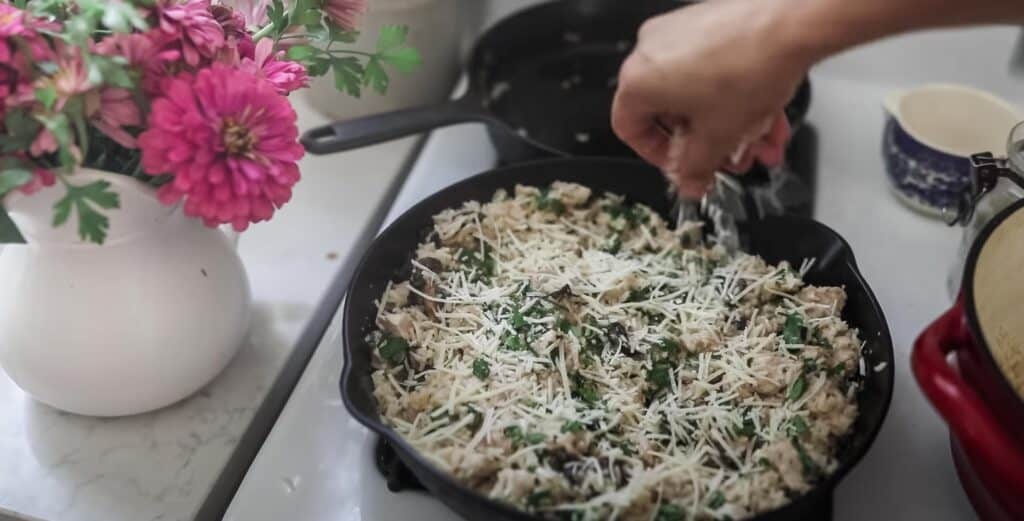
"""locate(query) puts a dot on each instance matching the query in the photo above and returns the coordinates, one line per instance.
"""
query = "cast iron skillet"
(542, 80)
(774, 238)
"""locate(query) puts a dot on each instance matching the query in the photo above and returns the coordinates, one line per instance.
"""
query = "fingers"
(697, 165)
(634, 125)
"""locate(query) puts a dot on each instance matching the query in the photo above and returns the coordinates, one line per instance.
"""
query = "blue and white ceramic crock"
(930, 133)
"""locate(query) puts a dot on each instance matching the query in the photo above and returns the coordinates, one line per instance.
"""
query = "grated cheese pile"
(565, 353)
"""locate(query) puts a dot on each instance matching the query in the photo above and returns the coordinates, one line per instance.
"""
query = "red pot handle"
(967, 415)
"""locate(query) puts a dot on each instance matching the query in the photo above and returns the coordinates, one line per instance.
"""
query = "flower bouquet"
(189, 96)
(130, 124)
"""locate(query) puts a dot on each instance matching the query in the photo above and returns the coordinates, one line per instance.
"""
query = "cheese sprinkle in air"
(565, 353)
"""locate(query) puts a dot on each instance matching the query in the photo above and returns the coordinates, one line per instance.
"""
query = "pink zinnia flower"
(345, 13)
(230, 141)
(146, 51)
(40, 177)
(197, 31)
(12, 21)
(111, 110)
(284, 75)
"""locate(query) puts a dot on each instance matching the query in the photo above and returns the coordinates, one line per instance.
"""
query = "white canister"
(434, 30)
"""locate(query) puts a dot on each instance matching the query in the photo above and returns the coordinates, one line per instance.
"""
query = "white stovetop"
(160, 466)
(317, 462)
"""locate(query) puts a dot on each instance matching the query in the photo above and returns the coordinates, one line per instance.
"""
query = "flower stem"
(263, 32)
(349, 51)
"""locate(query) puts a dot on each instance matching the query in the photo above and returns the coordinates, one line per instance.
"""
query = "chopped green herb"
(812, 471)
(613, 246)
(837, 370)
(572, 426)
(393, 349)
(669, 346)
(639, 295)
(747, 428)
(538, 498)
(797, 389)
(660, 375)
(791, 331)
(481, 369)
(546, 202)
(515, 343)
(716, 500)
(585, 390)
(534, 438)
(514, 433)
(518, 320)
(796, 426)
(670, 512)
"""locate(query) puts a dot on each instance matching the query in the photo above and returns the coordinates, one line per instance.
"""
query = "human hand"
(719, 71)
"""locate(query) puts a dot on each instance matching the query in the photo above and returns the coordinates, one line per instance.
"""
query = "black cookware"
(774, 238)
(542, 80)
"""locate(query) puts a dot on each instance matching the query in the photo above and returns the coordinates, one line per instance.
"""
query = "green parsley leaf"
(670, 512)
(47, 96)
(348, 75)
(514, 433)
(514, 343)
(302, 52)
(791, 331)
(405, 59)
(92, 225)
(572, 426)
(660, 375)
(538, 498)
(812, 471)
(747, 428)
(375, 76)
(534, 438)
(393, 349)
(337, 33)
(481, 369)
(12, 176)
(796, 390)
(585, 390)
(716, 500)
(797, 426)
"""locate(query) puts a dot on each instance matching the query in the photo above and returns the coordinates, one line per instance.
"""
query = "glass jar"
(988, 204)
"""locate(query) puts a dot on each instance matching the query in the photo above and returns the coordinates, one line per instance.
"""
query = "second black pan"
(542, 80)
(774, 238)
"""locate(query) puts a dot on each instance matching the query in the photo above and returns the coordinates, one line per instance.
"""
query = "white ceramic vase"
(133, 325)
(434, 30)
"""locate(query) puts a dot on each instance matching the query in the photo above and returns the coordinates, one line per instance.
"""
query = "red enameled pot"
(972, 389)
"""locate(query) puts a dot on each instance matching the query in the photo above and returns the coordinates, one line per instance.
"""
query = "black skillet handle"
(370, 130)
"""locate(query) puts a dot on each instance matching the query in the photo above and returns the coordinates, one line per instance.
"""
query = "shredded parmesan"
(565, 353)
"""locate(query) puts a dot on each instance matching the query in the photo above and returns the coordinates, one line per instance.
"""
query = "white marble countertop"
(317, 462)
(162, 465)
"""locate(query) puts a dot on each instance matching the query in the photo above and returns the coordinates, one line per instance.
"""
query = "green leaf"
(375, 76)
(276, 15)
(572, 426)
(791, 331)
(796, 426)
(318, 66)
(837, 370)
(405, 59)
(670, 513)
(393, 349)
(12, 178)
(92, 225)
(391, 37)
(348, 75)
(481, 369)
(113, 71)
(336, 33)
(797, 389)
(9, 233)
(514, 433)
(585, 390)
(812, 471)
(538, 498)
(47, 96)
(716, 500)
(534, 438)
(660, 375)
(122, 17)
(747, 428)
(302, 52)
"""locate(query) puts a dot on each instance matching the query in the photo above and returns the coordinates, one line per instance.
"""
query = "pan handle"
(968, 416)
(355, 133)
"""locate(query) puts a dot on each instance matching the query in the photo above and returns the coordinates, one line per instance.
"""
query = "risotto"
(573, 356)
